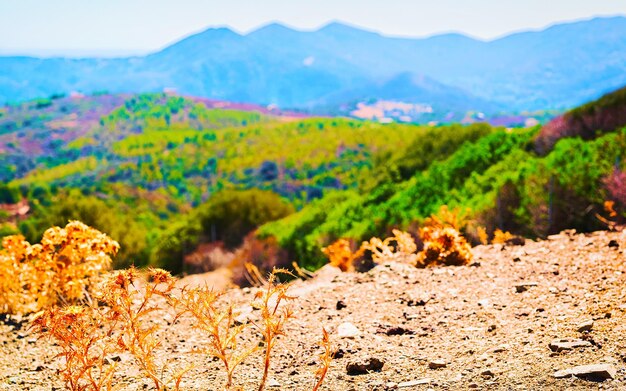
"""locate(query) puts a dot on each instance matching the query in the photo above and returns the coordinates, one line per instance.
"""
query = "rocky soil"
(549, 315)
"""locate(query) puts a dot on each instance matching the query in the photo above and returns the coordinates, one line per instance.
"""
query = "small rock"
(523, 287)
(436, 364)
(491, 328)
(516, 241)
(394, 330)
(559, 345)
(391, 386)
(487, 373)
(585, 326)
(112, 360)
(412, 383)
(340, 305)
(363, 365)
(501, 348)
(613, 244)
(273, 383)
(595, 372)
(484, 303)
(243, 315)
(347, 330)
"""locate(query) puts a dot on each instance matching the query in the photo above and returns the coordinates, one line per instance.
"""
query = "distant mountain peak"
(273, 27)
(337, 27)
(218, 32)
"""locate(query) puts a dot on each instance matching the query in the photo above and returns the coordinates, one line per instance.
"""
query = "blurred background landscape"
(277, 128)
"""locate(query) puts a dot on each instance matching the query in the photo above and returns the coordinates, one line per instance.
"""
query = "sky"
(124, 27)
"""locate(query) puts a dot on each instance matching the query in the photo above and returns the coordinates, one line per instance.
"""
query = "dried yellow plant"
(273, 316)
(483, 237)
(501, 237)
(83, 334)
(455, 218)
(325, 359)
(59, 270)
(132, 306)
(218, 322)
(399, 247)
(340, 255)
(443, 246)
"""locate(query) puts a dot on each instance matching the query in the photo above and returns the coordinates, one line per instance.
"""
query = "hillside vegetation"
(165, 175)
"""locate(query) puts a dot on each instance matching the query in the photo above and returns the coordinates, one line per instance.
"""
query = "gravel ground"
(487, 326)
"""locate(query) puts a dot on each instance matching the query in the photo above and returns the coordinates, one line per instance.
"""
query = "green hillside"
(165, 174)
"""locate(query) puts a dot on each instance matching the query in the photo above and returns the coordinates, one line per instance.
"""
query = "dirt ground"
(487, 326)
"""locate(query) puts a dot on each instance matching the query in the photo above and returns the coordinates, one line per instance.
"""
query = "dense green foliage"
(164, 174)
(497, 178)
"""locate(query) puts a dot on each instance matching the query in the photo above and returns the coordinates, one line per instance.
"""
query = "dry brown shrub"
(340, 255)
(325, 359)
(443, 246)
(264, 253)
(83, 334)
(400, 247)
(218, 322)
(273, 316)
(62, 269)
(483, 237)
(501, 237)
(208, 257)
(122, 316)
(455, 218)
(133, 307)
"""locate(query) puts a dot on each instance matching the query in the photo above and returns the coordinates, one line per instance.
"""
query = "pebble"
(595, 372)
(391, 385)
(436, 364)
(363, 365)
(487, 373)
(559, 345)
(523, 287)
(347, 330)
(243, 315)
(501, 348)
(417, 382)
(273, 383)
(585, 326)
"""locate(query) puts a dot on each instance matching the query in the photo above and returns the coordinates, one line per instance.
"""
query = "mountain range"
(555, 68)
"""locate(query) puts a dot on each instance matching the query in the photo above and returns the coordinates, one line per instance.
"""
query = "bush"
(228, 217)
(61, 269)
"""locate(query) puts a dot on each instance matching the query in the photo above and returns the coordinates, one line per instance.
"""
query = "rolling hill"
(556, 68)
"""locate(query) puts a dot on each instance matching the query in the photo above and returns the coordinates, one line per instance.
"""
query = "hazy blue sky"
(138, 26)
